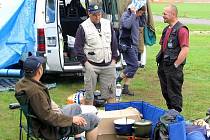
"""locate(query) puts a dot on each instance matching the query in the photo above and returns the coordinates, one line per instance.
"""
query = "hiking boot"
(129, 93)
(126, 91)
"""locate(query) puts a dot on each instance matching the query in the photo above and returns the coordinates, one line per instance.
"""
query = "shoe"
(141, 66)
(125, 91)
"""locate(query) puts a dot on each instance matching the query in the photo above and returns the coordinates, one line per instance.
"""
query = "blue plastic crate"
(150, 112)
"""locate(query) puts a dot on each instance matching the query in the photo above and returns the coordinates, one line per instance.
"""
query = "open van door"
(53, 37)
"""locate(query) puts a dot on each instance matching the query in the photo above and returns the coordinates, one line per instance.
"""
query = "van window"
(50, 11)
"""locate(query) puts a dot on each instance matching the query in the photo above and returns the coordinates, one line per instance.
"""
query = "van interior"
(72, 14)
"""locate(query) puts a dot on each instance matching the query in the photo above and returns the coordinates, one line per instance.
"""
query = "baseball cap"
(32, 63)
(94, 8)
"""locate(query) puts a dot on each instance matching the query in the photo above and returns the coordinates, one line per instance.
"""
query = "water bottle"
(118, 92)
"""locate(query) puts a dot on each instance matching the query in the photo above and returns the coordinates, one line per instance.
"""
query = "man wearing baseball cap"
(49, 123)
(96, 46)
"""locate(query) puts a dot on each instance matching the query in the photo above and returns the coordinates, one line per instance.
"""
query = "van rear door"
(53, 36)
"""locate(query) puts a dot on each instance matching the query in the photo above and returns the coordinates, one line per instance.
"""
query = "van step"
(71, 63)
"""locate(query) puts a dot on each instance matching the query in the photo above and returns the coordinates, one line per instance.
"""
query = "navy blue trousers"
(131, 59)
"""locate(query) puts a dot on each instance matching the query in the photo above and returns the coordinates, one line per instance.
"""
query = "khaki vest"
(98, 45)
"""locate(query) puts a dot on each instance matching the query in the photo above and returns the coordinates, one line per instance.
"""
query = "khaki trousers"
(106, 77)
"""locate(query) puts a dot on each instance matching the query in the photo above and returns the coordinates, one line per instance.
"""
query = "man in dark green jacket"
(52, 124)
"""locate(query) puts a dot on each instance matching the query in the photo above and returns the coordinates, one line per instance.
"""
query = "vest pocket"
(92, 40)
(108, 37)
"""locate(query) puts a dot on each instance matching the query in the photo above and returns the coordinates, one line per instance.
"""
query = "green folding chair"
(24, 107)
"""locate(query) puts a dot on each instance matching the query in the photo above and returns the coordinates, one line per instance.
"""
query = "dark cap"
(94, 8)
(32, 63)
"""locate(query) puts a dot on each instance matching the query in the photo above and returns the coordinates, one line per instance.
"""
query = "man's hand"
(88, 65)
(133, 9)
(113, 62)
(79, 120)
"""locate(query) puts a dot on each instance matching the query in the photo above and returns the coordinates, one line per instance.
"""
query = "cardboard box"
(106, 130)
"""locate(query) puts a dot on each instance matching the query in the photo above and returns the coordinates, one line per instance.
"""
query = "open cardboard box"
(106, 130)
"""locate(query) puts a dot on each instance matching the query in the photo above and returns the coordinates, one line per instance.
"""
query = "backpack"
(160, 132)
(161, 128)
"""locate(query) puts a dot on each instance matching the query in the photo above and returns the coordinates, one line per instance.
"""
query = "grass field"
(145, 85)
(192, 10)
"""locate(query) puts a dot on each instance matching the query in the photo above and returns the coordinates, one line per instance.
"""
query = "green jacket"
(49, 121)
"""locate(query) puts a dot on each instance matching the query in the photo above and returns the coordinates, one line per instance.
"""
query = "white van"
(56, 22)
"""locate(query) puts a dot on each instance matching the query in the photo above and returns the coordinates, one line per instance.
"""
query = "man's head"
(141, 11)
(170, 14)
(32, 66)
(95, 13)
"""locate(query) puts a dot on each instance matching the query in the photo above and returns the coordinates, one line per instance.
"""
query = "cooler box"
(177, 130)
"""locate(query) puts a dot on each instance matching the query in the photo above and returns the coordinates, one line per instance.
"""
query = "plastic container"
(118, 92)
(195, 135)
(150, 112)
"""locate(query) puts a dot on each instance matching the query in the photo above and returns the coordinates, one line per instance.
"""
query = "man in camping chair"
(52, 123)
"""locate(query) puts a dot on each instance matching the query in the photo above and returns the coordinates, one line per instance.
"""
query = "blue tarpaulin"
(16, 30)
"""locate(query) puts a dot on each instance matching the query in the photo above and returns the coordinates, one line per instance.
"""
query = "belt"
(99, 64)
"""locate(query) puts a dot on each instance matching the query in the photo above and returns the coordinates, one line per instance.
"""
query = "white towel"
(137, 4)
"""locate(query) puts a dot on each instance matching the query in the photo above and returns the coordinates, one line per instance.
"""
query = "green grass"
(146, 84)
(192, 10)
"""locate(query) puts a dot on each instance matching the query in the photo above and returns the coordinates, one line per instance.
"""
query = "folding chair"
(25, 109)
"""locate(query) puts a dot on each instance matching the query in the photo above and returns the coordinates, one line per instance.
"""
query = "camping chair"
(26, 110)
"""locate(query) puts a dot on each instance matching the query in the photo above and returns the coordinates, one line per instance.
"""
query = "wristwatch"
(176, 65)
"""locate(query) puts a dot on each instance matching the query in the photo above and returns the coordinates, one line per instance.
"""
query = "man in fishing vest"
(171, 58)
(96, 47)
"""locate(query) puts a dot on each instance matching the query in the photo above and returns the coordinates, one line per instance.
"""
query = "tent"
(17, 35)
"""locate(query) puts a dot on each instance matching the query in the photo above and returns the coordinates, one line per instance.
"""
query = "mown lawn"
(145, 85)
(192, 10)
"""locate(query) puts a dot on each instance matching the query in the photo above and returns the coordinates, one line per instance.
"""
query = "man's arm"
(114, 45)
(79, 45)
(183, 36)
(182, 55)
(127, 19)
(42, 109)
